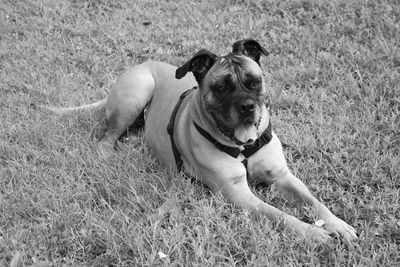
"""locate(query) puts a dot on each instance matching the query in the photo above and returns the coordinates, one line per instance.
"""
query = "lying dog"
(213, 124)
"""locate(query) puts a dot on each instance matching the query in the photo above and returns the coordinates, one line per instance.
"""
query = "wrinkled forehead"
(236, 64)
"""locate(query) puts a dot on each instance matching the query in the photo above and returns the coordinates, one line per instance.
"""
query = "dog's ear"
(249, 48)
(199, 64)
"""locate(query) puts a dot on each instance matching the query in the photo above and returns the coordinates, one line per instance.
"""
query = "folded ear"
(249, 48)
(199, 65)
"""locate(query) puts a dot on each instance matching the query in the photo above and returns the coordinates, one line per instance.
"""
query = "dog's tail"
(88, 107)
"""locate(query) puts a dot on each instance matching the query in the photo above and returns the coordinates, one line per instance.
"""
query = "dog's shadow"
(136, 129)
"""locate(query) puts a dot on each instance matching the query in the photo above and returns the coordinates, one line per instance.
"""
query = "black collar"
(248, 151)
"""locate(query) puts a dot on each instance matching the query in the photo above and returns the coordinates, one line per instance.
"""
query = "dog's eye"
(222, 88)
(255, 83)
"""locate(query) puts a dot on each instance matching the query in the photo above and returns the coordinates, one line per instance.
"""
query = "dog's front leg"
(238, 192)
(294, 189)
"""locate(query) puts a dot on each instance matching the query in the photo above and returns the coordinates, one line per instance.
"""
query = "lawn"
(333, 73)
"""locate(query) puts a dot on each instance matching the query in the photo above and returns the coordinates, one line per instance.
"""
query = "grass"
(338, 62)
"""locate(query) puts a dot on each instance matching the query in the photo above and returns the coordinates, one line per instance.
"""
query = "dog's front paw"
(311, 232)
(339, 227)
(318, 234)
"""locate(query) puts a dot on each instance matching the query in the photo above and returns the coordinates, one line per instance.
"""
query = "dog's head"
(232, 88)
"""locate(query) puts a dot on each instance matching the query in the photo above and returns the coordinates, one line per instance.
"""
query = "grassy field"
(338, 63)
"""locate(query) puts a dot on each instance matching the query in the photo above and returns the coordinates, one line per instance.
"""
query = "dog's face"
(232, 89)
(233, 93)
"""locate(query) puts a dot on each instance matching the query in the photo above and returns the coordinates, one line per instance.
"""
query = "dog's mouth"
(244, 134)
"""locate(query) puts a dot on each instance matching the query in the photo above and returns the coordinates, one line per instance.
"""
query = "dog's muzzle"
(229, 132)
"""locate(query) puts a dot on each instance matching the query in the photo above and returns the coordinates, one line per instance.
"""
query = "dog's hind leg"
(129, 96)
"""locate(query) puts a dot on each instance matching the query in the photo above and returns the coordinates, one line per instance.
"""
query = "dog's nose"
(247, 107)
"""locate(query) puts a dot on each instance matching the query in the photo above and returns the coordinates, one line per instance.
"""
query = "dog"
(209, 119)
